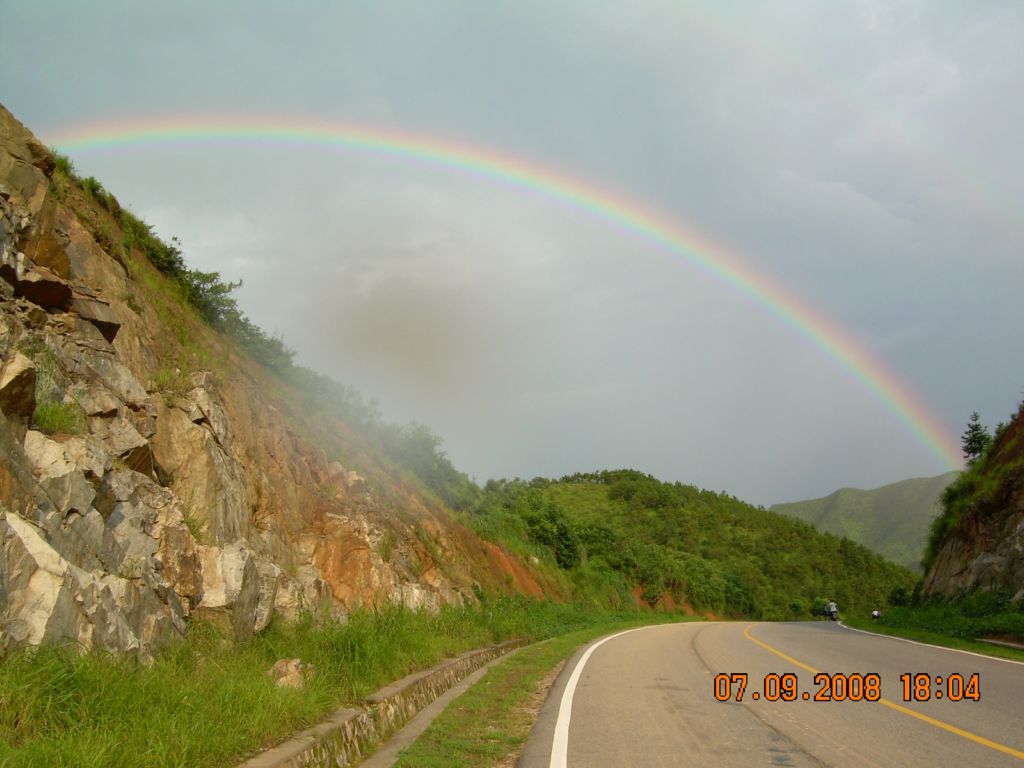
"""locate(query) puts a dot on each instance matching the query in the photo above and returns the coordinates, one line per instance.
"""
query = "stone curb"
(348, 735)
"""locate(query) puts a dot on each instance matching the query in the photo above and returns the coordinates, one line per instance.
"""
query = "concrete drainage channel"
(349, 735)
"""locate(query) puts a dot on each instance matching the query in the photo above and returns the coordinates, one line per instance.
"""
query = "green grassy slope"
(892, 520)
(610, 532)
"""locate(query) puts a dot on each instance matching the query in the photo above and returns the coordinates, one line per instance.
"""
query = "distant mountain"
(892, 520)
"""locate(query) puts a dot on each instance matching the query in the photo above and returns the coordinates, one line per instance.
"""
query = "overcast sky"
(867, 156)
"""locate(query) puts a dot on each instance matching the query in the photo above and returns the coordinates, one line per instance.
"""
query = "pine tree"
(975, 439)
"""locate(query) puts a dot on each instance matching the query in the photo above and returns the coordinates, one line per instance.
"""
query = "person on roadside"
(833, 610)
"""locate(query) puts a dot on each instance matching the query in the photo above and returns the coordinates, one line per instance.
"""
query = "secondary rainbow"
(676, 237)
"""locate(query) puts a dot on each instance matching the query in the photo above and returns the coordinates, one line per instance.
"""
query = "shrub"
(63, 163)
(93, 189)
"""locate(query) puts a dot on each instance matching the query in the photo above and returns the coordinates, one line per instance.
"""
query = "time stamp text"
(916, 686)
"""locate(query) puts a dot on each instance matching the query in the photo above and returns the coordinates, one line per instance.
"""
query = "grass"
(58, 417)
(207, 701)
(52, 413)
(492, 720)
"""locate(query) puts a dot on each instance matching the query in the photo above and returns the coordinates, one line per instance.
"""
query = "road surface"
(647, 698)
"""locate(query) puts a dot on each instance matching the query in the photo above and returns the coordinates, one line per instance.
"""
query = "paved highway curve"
(646, 697)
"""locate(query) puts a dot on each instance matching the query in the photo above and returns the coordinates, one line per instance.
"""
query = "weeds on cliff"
(386, 546)
(63, 163)
(59, 417)
(129, 298)
(92, 188)
(53, 414)
(195, 524)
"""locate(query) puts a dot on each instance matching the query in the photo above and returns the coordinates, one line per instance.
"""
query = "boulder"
(291, 673)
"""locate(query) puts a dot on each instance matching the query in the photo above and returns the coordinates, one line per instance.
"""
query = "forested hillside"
(610, 533)
(892, 520)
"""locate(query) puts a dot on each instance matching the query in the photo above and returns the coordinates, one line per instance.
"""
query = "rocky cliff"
(149, 469)
(981, 545)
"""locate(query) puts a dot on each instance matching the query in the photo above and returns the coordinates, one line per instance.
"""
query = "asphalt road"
(647, 698)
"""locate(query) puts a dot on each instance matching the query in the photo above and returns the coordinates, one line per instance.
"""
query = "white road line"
(929, 645)
(560, 742)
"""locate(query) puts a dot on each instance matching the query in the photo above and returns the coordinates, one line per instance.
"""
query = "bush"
(63, 163)
(93, 189)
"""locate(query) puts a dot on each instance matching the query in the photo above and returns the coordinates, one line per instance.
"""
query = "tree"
(976, 439)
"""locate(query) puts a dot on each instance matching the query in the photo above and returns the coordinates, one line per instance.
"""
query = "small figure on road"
(876, 615)
(833, 610)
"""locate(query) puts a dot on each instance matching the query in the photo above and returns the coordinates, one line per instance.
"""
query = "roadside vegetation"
(957, 623)
(207, 701)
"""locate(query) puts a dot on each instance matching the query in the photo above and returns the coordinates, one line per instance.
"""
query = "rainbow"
(677, 238)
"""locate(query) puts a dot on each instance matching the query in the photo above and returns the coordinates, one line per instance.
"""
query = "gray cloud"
(864, 155)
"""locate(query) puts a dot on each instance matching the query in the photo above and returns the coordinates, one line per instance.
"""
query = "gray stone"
(95, 399)
(202, 471)
(290, 673)
(148, 523)
(49, 599)
(70, 492)
(235, 577)
(18, 386)
(208, 411)
(269, 576)
(89, 454)
(243, 612)
(99, 314)
(43, 287)
(59, 475)
(46, 457)
(116, 377)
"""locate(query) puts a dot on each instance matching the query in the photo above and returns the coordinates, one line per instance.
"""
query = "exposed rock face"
(986, 549)
(18, 386)
(203, 494)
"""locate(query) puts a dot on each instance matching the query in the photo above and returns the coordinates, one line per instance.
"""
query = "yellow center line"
(893, 705)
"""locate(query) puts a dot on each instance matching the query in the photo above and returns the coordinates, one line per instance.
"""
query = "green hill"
(892, 520)
(614, 536)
